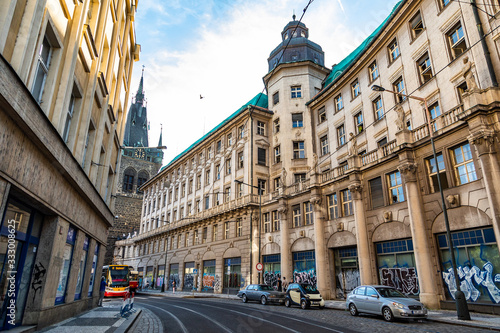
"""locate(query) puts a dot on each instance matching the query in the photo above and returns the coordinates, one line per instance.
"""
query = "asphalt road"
(223, 315)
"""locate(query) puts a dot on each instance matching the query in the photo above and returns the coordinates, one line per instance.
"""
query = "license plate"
(314, 303)
(417, 312)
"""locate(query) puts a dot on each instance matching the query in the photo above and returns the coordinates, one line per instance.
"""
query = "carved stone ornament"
(408, 171)
(469, 75)
(231, 244)
(453, 200)
(298, 134)
(276, 139)
(400, 120)
(340, 226)
(356, 190)
(283, 210)
(387, 216)
(316, 200)
(483, 142)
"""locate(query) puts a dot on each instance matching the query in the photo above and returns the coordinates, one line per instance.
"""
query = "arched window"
(128, 180)
(141, 179)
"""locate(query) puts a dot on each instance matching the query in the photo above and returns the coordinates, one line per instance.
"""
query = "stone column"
(420, 235)
(4, 195)
(365, 267)
(286, 257)
(484, 142)
(319, 247)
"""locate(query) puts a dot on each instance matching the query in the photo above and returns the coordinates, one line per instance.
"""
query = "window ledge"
(413, 39)
(393, 61)
(424, 84)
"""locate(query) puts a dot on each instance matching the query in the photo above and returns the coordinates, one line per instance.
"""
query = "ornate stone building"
(349, 182)
(65, 68)
(136, 167)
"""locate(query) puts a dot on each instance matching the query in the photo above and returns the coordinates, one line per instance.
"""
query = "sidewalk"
(101, 319)
(478, 320)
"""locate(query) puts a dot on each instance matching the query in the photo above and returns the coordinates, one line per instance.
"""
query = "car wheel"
(353, 310)
(387, 313)
(287, 302)
(244, 298)
(263, 300)
(303, 304)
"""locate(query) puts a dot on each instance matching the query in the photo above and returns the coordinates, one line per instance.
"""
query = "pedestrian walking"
(173, 286)
(285, 284)
(279, 286)
(102, 289)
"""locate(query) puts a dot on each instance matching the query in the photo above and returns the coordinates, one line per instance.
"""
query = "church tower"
(137, 167)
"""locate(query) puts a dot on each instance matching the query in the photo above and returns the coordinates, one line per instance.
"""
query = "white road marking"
(181, 325)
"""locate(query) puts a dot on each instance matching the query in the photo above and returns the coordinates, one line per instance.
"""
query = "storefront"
(174, 275)
(189, 276)
(478, 265)
(17, 259)
(346, 270)
(272, 269)
(209, 281)
(161, 275)
(232, 275)
(396, 266)
(304, 267)
(67, 258)
(93, 270)
(81, 269)
(148, 279)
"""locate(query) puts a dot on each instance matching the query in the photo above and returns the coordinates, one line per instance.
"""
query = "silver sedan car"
(385, 301)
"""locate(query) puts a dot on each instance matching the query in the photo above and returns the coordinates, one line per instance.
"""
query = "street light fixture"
(460, 301)
(260, 215)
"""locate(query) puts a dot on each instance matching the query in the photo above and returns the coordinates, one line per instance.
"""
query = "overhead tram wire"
(325, 157)
(476, 5)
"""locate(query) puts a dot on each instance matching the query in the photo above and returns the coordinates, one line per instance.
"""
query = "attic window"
(416, 25)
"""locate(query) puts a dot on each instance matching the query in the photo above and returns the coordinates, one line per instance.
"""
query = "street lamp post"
(260, 216)
(460, 301)
(166, 252)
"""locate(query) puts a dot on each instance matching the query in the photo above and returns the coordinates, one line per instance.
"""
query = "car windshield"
(266, 288)
(390, 292)
(310, 289)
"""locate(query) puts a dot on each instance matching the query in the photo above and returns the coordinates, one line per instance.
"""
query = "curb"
(464, 323)
(125, 326)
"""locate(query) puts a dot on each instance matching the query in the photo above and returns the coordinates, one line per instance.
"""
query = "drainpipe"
(251, 190)
(484, 45)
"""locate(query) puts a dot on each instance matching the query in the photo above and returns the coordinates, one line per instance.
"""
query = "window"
(425, 68)
(176, 193)
(228, 167)
(207, 177)
(322, 115)
(393, 50)
(209, 153)
(296, 92)
(178, 241)
(333, 206)
(324, 145)
(186, 239)
(416, 25)
(267, 222)
(277, 183)
(240, 160)
(346, 198)
(376, 192)
(395, 187)
(261, 156)
(128, 180)
(298, 150)
(261, 186)
(217, 172)
(229, 139)
(463, 164)
(261, 128)
(341, 135)
(217, 199)
(299, 177)
(399, 87)
(204, 235)
(277, 154)
(297, 222)
(196, 237)
(373, 70)
(435, 112)
(276, 98)
(276, 124)
(142, 178)
(276, 220)
(297, 120)
(198, 181)
(226, 230)
(241, 131)
(444, 3)
(382, 142)
(358, 122)
(456, 40)
(240, 190)
(69, 116)
(433, 173)
(227, 194)
(355, 89)
(214, 233)
(183, 189)
(190, 186)
(239, 228)
(308, 213)
(42, 70)
(339, 104)
(218, 146)
(207, 202)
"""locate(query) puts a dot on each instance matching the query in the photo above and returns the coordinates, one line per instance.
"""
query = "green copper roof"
(259, 100)
(341, 67)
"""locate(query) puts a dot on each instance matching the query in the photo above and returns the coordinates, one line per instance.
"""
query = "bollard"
(461, 303)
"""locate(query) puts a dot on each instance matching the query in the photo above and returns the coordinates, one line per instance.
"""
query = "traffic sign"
(195, 271)
(259, 267)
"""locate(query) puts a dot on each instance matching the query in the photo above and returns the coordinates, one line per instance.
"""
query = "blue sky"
(219, 49)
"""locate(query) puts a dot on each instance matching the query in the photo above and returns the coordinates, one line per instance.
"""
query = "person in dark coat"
(102, 289)
(279, 285)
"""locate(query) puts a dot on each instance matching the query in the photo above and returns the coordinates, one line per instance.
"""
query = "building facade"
(137, 166)
(65, 73)
(350, 191)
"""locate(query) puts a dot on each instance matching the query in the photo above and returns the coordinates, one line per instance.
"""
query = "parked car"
(304, 295)
(262, 293)
(385, 301)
